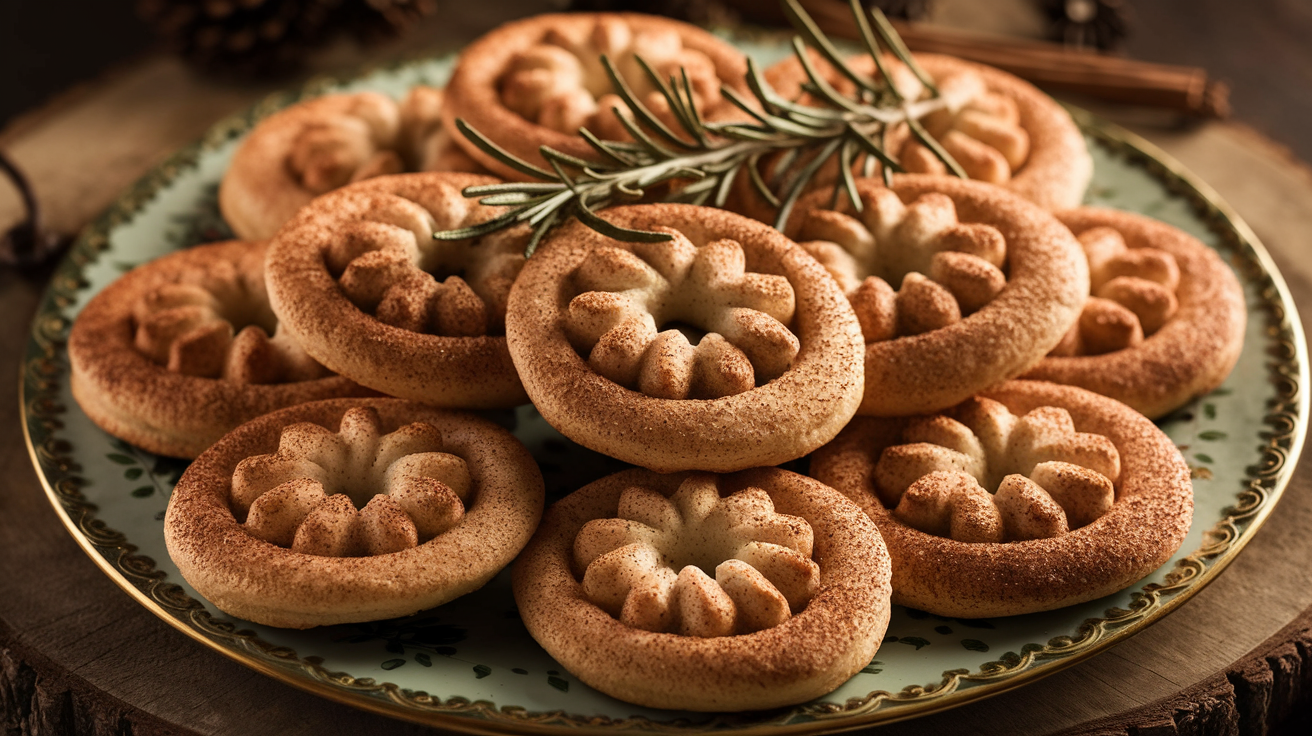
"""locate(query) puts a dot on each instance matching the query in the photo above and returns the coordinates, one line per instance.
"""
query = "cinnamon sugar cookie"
(180, 350)
(536, 81)
(987, 283)
(724, 348)
(351, 510)
(1029, 497)
(1164, 321)
(321, 144)
(617, 585)
(999, 128)
(359, 279)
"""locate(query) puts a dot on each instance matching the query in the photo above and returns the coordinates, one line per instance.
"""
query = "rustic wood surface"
(77, 655)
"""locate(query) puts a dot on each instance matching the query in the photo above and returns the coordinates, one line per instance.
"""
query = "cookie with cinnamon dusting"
(697, 591)
(1029, 497)
(724, 348)
(321, 144)
(1164, 321)
(359, 279)
(957, 285)
(178, 351)
(351, 510)
(536, 81)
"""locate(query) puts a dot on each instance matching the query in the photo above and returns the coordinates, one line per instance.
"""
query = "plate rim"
(116, 556)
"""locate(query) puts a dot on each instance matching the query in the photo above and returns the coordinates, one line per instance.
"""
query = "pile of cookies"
(316, 378)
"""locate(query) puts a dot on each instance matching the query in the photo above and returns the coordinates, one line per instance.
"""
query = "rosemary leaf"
(868, 164)
(660, 177)
(783, 165)
(754, 171)
(539, 232)
(873, 47)
(551, 154)
(803, 23)
(799, 185)
(608, 149)
(802, 130)
(671, 95)
(848, 183)
(611, 230)
(899, 49)
(641, 136)
(509, 199)
(628, 191)
(726, 184)
(770, 99)
(479, 190)
(499, 153)
(742, 132)
(820, 84)
(565, 178)
(691, 100)
(732, 95)
(640, 110)
(885, 171)
(937, 149)
(478, 231)
(707, 184)
(875, 150)
(537, 214)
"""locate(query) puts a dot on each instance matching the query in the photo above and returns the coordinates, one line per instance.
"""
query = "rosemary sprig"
(699, 160)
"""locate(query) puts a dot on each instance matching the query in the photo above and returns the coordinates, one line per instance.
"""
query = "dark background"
(49, 47)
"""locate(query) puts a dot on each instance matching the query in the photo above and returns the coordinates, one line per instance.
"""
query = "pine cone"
(261, 37)
(1100, 24)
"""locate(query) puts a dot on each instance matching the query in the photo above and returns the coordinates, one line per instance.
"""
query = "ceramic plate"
(470, 665)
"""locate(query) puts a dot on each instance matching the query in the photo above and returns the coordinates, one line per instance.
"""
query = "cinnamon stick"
(1182, 88)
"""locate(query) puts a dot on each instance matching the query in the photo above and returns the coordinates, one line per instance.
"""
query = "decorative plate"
(471, 666)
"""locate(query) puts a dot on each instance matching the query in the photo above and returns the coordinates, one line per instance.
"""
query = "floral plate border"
(45, 368)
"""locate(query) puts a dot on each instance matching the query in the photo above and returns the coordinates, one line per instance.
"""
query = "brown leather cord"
(27, 244)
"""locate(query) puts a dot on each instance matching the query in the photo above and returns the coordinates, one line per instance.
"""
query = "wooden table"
(78, 656)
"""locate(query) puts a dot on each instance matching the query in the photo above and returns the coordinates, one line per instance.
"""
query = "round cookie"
(360, 281)
(1164, 322)
(695, 591)
(986, 284)
(1030, 497)
(178, 351)
(536, 81)
(724, 348)
(351, 510)
(318, 145)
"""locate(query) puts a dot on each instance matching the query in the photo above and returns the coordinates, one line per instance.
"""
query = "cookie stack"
(879, 334)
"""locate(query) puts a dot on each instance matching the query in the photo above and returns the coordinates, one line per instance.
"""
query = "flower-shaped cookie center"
(389, 265)
(989, 476)
(218, 325)
(636, 309)
(946, 269)
(697, 564)
(560, 82)
(352, 492)
(979, 128)
(370, 136)
(1132, 295)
